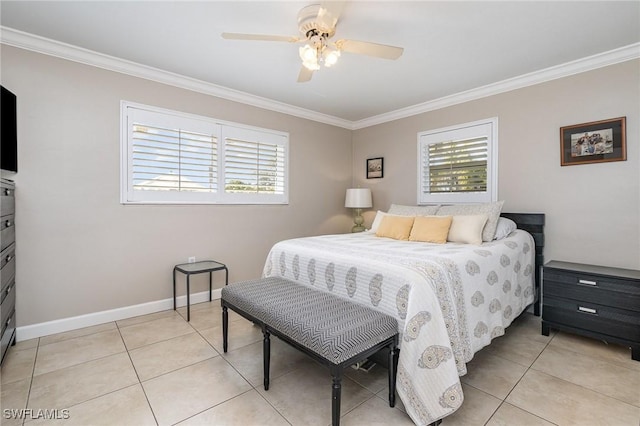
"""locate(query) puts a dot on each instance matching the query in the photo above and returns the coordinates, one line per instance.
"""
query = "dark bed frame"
(533, 223)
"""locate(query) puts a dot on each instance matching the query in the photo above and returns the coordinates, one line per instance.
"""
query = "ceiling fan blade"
(305, 75)
(372, 49)
(329, 13)
(259, 37)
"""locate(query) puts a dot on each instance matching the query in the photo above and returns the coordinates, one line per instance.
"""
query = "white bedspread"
(450, 300)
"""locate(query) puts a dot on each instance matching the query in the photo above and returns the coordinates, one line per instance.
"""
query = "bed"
(450, 299)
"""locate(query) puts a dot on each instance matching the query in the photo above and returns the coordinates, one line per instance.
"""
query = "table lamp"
(358, 198)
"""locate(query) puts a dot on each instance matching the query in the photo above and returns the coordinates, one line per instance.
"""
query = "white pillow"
(376, 222)
(467, 229)
(505, 227)
(492, 210)
(402, 210)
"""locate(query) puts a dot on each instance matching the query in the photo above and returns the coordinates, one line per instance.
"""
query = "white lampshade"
(358, 198)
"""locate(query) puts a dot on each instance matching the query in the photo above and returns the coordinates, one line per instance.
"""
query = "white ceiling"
(450, 47)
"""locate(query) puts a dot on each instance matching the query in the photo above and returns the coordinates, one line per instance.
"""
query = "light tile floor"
(159, 369)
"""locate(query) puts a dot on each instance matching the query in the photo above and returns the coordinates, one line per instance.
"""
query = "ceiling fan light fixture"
(311, 65)
(317, 25)
(330, 57)
(309, 56)
(308, 53)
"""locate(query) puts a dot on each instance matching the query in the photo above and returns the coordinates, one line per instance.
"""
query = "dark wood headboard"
(533, 223)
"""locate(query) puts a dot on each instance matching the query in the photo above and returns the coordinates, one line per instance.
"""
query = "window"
(459, 164)
(170, 157)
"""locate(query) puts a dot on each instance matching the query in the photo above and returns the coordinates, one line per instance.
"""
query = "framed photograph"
(375, 168)
(595, 142)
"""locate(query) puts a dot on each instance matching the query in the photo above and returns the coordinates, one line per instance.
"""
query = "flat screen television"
(8, 131)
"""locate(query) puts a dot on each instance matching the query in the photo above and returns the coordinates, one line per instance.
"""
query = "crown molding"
(58, 49)
(27, 41)
(589, 63)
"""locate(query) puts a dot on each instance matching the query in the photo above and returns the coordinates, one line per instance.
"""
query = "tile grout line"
(577, 384)
(74, 365)
(221, 355)
(271, 405)
(195, 331)
(35, 359)
(502, 401)
(146, 397)
(519, 380)
(76, 337)
(213, 406)
(599, 358)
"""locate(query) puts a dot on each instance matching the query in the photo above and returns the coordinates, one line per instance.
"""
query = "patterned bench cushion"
(334, 328)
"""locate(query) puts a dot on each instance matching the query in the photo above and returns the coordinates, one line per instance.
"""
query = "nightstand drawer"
(604, 290)
(580, 283)
(597, 318)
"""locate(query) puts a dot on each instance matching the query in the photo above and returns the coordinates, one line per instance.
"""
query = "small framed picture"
(375, 168)
(595, 142)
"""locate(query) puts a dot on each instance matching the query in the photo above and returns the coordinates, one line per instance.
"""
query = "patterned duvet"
(450, 300)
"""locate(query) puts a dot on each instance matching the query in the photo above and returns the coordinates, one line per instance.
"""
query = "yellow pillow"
(431, 229)
(467, 229)
(396, 227)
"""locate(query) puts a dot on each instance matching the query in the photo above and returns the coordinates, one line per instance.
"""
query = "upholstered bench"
(332, 330)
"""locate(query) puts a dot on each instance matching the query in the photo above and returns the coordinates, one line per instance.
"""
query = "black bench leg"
(225, 328)
(336, 391)
(393, 365)
(266, 355)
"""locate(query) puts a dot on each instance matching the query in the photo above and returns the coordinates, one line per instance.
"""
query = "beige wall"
(592, 211)
(80, 251)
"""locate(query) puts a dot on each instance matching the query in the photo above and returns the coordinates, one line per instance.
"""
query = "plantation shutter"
(455, 166)
(459, 164)
(173, 159)
(169, 157)
(253, 167)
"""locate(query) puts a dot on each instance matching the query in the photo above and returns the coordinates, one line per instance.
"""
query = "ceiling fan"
(317, 25)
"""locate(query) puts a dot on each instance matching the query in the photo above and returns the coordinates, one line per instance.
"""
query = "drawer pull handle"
(8, 322)
(587, 310)
(7, 223)
(587, 282)
(9, 257)
(7, 192)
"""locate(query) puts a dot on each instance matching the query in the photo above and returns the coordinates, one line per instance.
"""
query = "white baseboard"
(66, 324)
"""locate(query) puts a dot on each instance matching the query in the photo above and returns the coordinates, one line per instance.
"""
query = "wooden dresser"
(7, 266)
(594, 301)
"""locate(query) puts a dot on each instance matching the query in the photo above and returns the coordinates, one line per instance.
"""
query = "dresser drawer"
(7, 199)
(7, 231)
(7, 265)
(9, 328)
(604, 290)
(594, 317)
(7, 255)
(8, 304)
(7, 288)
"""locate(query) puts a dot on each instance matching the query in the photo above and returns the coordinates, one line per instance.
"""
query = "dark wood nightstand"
(594, 301)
